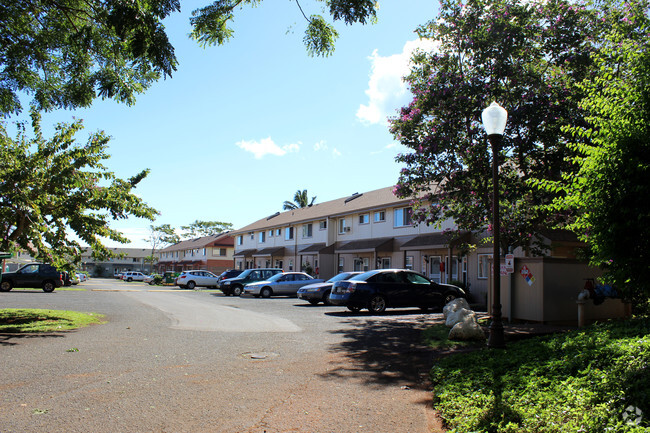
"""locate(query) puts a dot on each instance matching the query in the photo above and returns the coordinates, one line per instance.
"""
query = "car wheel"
(354, 309)
(191, 285)
(377, 304)
(266, 292)
(6, 286)
(314, 301)
(128, 280)
(236, 291)
(326, 298)
(48, 286)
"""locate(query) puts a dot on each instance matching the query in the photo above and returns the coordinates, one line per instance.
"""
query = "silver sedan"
(286, 284)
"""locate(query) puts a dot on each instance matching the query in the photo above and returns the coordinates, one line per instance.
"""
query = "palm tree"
(300, 200)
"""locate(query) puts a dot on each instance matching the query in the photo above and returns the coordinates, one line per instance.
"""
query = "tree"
(608, 194)
(527, 56)
(300, 200)
(160, 236)
(205, 228)
(66, 53)
(52, 189)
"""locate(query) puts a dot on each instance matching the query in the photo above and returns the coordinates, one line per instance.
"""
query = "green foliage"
(527, 56)
(437, 337)
(50, 189)
(66, 53)
(608, 193)
(205, 228)
(580, 381)
(17, 320)
(300, 200)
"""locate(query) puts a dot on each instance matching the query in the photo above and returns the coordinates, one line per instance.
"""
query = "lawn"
(17, 320)
(595, 380)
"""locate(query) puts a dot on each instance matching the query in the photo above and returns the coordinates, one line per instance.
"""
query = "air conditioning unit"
(347, 229)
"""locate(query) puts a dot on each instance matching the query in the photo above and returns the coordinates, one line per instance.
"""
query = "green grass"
(580, 381)
(437, 337)
(16, 320)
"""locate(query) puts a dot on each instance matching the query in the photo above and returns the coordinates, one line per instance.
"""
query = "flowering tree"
(51, 189)
(527, 56)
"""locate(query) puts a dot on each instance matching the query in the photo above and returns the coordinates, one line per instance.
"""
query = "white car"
(192, 279)
(286, 283)
(82, 277)
(133, 276)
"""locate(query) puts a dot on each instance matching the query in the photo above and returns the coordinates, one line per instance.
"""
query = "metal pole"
(496, 338)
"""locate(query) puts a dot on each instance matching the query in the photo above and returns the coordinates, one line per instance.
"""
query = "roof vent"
(353, 196)
(273, 216)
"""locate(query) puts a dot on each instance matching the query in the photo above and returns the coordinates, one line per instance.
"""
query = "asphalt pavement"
(170, 360)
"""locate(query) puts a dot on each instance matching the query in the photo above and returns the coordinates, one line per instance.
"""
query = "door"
(434, 268)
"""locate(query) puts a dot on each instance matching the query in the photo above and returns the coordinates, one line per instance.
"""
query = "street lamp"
(494, 121)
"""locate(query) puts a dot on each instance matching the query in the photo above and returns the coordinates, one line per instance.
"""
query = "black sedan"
(320, 292)
(392, 288)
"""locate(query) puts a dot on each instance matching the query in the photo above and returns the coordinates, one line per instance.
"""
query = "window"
(341, 264)
(270, 233)
(288, 234)
(483, 265)
(219, 252)
(342, 226)
(252, 236)
(262, 237)
(307, 230)
(402, 217)
(362, 264)
(384, 263)
(408, 262)
(278, 232)
(364, 218)
(322, 225)
(380, 216)
(240, 240)
(291, 264)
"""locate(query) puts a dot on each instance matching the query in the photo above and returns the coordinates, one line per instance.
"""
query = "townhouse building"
(126, 259)
(212, 253)
(360, 232)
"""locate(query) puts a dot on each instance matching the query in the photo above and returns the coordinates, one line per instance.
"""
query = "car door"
(392, 287)
(28, 276)
(299, 281)
(421, 290)
(283, 285)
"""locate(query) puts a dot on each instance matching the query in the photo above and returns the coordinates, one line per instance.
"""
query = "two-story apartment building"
(211, 253)
(360, 232)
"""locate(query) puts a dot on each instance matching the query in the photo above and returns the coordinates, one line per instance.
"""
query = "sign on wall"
(528, 276)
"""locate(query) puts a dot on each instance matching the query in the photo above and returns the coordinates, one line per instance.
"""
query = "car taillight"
(182, 276)
(351, 287)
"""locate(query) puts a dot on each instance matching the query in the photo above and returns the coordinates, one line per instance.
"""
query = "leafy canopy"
(51, 188)
(205, 228)
(300, 200)
(529, 57)
(66, 53)
(608, 193)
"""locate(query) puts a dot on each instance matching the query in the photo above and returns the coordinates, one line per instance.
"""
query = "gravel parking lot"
(170, 360)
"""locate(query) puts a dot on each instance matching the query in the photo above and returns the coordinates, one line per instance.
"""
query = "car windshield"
(341, 276)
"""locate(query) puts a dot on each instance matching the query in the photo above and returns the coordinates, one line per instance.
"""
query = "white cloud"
(386, 90)
(321, 145)
(336, 153)
(267, 146)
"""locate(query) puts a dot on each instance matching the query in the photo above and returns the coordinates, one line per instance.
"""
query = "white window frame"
(402, 217)
(379, 216)
(483, 267)
(342, 226)
(288, 233)
(262, 238)
(307, 230)
(364, 218)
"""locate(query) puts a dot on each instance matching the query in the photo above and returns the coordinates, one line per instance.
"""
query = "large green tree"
(53, 188)
(205, 228)
(65, 53)
(609, 192)
(529, 57)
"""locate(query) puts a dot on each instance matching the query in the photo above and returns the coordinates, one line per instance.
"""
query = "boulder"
(455, 305)
(468, 329)
(459, 315)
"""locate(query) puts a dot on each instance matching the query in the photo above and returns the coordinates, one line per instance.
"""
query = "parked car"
(235, 286)
(197, 278)
(232, 273)
(320, 292)
(133, 276)
(33, 275)
(392, 288)
(82, 277)
(286, 283)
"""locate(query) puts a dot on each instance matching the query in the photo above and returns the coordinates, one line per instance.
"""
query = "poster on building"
(528, 276)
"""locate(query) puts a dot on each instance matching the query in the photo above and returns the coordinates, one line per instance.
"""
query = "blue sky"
(240, 127)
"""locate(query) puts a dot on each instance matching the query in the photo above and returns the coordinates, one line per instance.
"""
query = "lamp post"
(494, 121)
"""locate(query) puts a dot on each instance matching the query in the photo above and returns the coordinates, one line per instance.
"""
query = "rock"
(459, 315)
(454, 305)
(467, 330)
